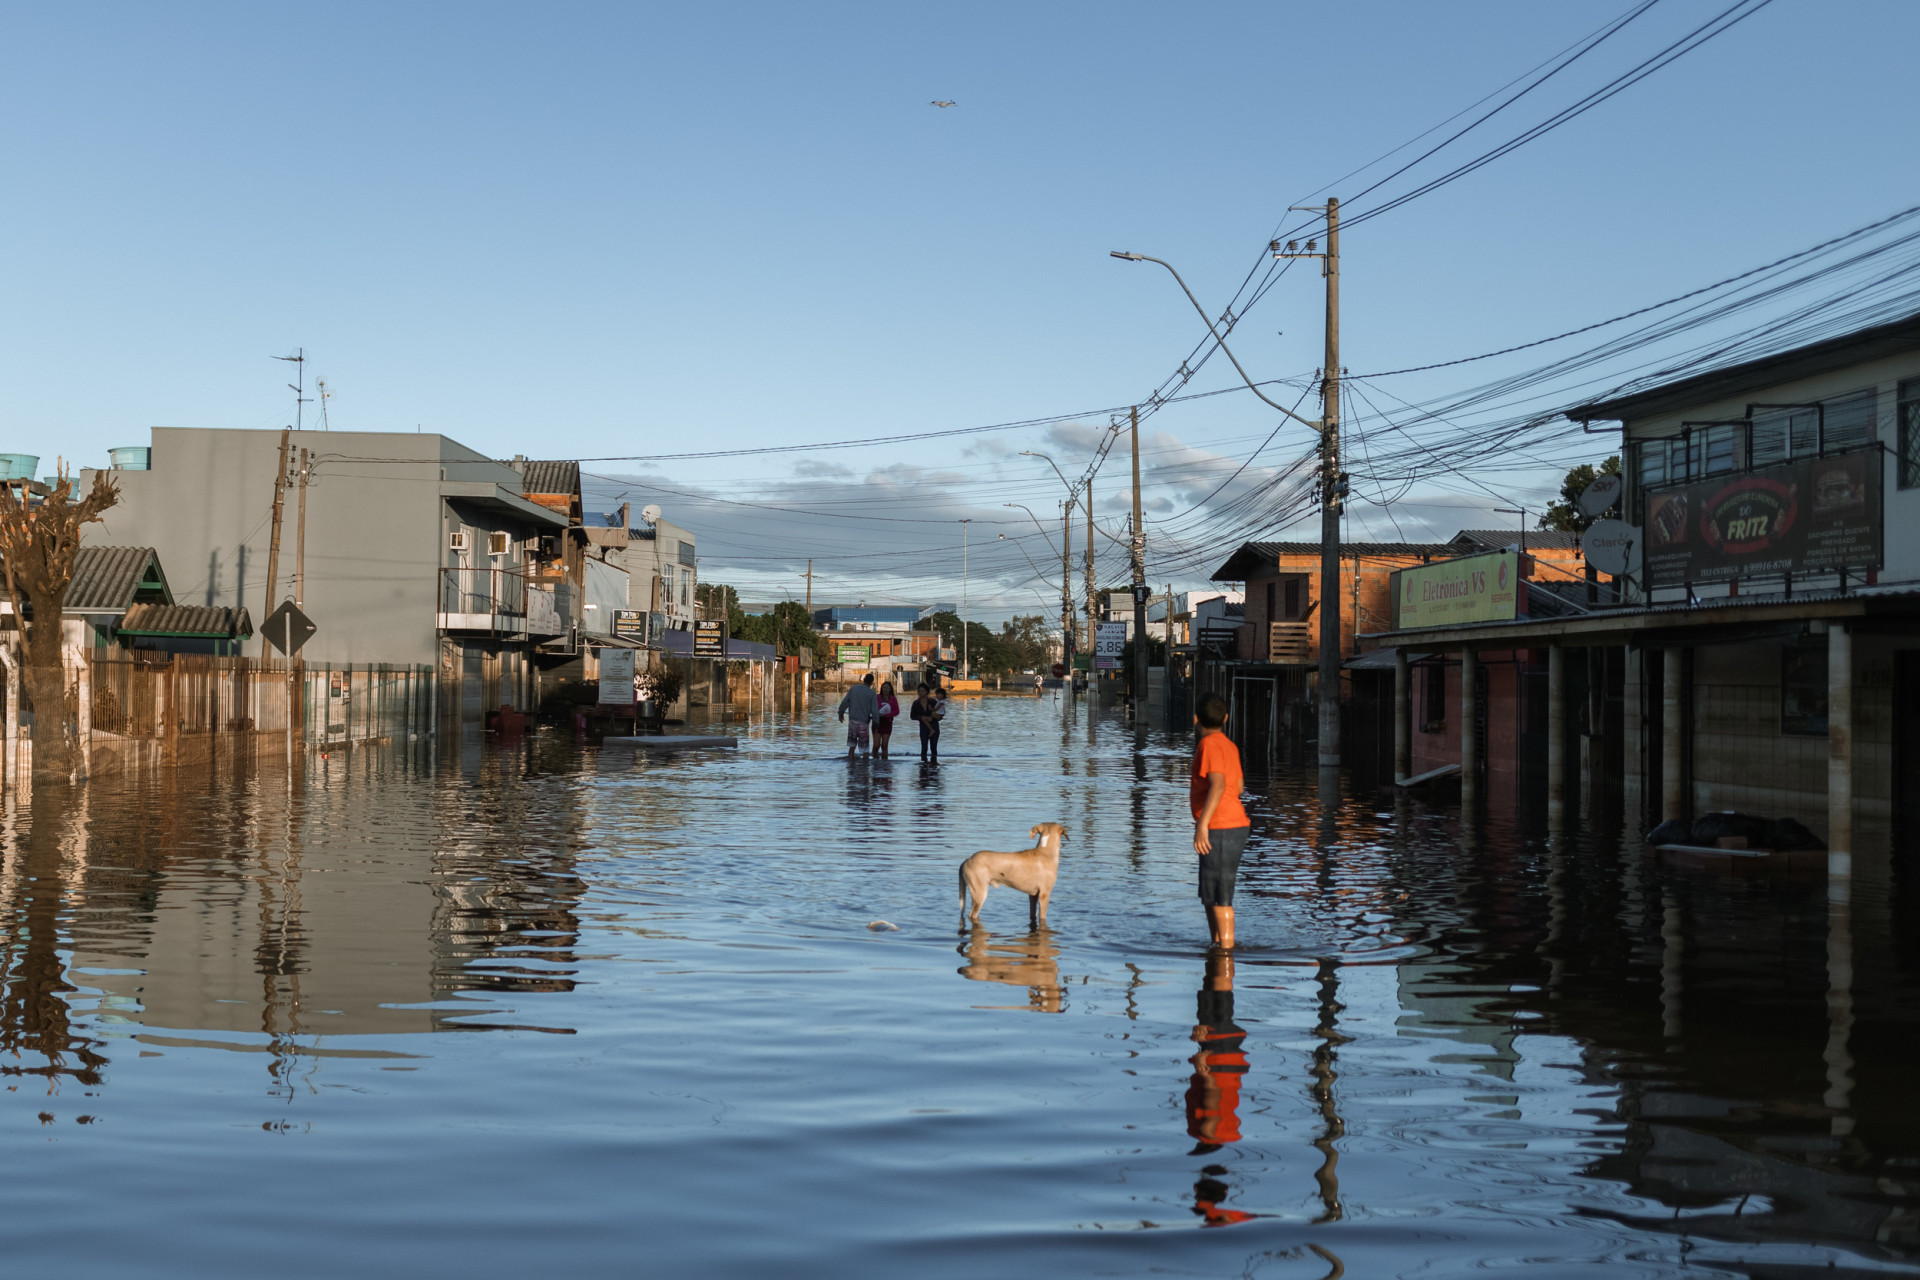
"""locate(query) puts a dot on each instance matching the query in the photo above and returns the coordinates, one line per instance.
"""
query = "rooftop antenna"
(325, 395)
(300, 398)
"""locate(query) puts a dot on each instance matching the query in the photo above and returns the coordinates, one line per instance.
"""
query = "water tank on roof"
(18, 466)
(135, 457)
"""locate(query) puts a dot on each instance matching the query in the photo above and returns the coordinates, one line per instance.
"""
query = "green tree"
(787, 628)
(987, 653)
(718, 600)
(1564, 514)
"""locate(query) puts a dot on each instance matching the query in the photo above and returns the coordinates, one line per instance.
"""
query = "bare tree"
(38, 540)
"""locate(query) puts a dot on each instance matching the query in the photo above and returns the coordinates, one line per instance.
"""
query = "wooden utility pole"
(273, 545)
(1092, 632)
(1138, 547)
(809, 592)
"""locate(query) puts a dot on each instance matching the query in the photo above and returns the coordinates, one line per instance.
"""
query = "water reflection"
(1219, 1069)
(1030, 960)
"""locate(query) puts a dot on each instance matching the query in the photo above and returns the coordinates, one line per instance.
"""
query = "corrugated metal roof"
(106, 578)
(1260, 555)
(217, 621)
(550, 477)
(1540, 539)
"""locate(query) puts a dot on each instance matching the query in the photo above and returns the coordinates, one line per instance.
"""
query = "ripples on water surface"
(535, 1010)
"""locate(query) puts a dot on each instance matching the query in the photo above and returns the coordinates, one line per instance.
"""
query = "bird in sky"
(948, 103)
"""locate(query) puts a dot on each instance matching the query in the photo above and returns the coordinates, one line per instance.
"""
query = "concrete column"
(1469, 723)
(1839, 751)
(1402, 717)
(1673, 804)
(1556, 737)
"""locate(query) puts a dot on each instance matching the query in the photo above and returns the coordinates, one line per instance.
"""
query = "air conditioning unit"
(457, 541)
(499, 544)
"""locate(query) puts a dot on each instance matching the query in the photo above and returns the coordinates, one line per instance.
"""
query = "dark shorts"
(1218, 869)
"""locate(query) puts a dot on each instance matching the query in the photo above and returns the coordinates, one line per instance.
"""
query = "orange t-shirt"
(1215, 753)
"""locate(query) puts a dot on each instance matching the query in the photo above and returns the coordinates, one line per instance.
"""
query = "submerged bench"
(673, 741)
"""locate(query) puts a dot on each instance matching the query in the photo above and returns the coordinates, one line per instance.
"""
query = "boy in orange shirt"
(1220, 824)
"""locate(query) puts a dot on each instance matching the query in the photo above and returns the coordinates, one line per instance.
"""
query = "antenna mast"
(300, 397)
(325, 395)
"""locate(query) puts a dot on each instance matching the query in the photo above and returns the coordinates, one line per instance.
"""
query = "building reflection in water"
(181, 912)
(1028, 960)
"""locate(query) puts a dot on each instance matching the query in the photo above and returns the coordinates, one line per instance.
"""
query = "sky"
(622, 232)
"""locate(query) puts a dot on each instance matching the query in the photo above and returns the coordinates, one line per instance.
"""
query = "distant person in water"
(925, 713)
(885, 708)
(856, 708)
(1220, 824)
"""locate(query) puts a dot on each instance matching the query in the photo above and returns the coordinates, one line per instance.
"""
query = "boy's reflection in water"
(1213, 1095)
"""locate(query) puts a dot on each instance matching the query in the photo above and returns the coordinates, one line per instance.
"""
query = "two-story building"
(1763, 654)
(403, 548)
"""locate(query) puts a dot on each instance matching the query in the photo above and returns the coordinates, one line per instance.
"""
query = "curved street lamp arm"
(1220, 341)
(1036, 524)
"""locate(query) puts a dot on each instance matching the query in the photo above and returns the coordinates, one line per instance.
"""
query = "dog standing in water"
(1031, 871)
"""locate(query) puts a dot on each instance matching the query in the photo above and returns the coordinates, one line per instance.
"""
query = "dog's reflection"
(1029, 960)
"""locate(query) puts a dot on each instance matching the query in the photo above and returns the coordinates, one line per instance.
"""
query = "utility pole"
(966, 666)
(1333, 488)
(809, 591)
(273, 545)
(300, 541)
(1141, 591)
(1066, 584)
(1092, 633)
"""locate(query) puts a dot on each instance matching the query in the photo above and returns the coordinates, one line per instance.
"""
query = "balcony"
(490, 602)
(1288, 642)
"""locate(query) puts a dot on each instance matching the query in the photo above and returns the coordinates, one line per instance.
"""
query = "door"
(472, 691)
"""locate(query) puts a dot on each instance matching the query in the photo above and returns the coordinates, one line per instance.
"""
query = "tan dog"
(1031, 871)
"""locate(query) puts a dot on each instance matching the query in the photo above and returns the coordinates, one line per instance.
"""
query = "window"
(1909, 418)
(499, 544)
(686, 587)
(1784, 431)
(1803, 688)
(1293, 597)
(1433, 716)
(686, 553)
(1271, 615)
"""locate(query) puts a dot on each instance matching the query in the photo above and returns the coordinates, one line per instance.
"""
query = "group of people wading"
(870, 716)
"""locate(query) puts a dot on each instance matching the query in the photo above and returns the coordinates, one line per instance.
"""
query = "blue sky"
(591, 230)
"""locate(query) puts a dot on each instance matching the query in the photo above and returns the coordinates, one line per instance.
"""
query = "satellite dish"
(1613, 547)
(1598, 496)
(650, 513)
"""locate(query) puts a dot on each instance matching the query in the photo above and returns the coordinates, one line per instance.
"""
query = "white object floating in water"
(881, 926)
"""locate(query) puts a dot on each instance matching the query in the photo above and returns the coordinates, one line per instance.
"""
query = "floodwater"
(541, 1009)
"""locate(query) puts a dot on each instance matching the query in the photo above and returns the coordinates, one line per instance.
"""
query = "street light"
(1036, 524)
(1331, 481)
(1066, 555)
(966, 665)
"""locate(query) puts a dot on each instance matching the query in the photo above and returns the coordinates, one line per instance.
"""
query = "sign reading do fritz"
(1813, 515)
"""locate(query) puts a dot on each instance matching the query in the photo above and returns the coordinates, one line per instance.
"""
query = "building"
(662, 563)
(1762, 651)
(403, 548)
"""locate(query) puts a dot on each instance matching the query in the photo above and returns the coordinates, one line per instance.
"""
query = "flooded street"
(548, 1009)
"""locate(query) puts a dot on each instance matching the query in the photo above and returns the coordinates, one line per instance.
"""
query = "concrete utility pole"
(273, 544)
(300, 540)
(809, 591)
(1332, 491)
(1092, 633)
(1333, 483)
(1066, 584)
(1140, 588)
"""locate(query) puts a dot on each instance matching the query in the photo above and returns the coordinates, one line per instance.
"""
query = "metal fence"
(177, 699)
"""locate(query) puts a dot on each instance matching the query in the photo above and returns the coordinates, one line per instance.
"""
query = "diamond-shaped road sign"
(288, 629)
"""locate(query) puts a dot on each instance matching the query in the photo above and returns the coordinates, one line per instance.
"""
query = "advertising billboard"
(853, 655)
(1812, 515)
(710, 639)
(630, 624)
(1484, 588)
